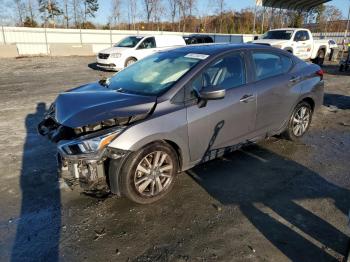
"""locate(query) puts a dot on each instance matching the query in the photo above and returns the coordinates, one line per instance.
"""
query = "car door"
(221, 124)
(276, 89)
(303, 44)
(146, 47)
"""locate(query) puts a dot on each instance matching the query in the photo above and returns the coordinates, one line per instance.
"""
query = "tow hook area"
(89, 175)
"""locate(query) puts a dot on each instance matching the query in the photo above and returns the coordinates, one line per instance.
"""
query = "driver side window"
(298, 36)
(147, 43)
(226, 73)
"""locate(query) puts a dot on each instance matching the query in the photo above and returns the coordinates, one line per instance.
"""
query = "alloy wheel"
(301, 121)
(153, 174)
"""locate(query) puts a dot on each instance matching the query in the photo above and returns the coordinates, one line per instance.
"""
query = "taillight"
(320, 73)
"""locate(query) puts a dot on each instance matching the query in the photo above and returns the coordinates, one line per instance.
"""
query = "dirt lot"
(275, 201)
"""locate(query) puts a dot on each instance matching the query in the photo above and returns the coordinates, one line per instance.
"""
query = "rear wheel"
(320, 57)
(299, 122)
(149, 174)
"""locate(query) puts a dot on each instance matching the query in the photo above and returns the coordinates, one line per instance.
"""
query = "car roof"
(217, 48)
(155, 35)
(198, 35)
(288, 28)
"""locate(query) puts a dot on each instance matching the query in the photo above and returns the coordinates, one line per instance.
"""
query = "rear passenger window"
(269, 64)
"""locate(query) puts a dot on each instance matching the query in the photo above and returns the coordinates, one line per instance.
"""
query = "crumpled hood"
(93, 103)
(114, 50)
(270, 41)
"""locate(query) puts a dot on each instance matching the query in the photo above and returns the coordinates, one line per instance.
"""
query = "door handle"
(295, 79)
(247, 98)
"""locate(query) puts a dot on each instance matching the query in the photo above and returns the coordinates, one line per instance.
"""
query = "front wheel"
(149, 174)
(130, 61)
(299, 122)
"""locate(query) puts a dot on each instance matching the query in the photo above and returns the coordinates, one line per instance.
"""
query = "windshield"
(154, 74)
(278, 34)
(130, 41)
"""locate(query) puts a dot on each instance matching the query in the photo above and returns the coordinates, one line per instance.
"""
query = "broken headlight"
(91, 143)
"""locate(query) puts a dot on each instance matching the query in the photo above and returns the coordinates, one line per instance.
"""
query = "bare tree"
(78, 12)
(191, 6)
(116, 7)
(173, 6)
(149, 5)
(221, 6)
(330, 14)
(65, 13)
(158, 11)
(133, 10)
(182, 14)
(20, 9)
(30, 10)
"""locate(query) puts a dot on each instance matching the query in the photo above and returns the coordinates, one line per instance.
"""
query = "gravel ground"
(274, 201)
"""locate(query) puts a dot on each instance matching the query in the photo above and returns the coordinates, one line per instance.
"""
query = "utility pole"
(346, 32)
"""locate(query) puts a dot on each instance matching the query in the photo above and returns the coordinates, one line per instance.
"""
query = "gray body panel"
(227, 122)
(220, 123)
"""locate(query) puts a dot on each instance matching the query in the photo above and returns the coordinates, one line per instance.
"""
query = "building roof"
(300, 5)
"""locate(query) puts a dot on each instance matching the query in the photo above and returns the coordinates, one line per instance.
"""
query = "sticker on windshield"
(196, 56)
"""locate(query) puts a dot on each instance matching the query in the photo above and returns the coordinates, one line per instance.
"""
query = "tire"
(130, 61)
(144, 188)
(292, 132)
(320, 57)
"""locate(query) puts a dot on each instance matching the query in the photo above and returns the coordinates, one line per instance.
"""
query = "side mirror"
(210, 93)
(256, 37)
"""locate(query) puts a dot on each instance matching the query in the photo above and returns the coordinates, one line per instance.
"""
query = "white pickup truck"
(298, 41)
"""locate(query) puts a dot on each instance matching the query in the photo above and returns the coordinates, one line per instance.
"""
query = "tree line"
(214, 16)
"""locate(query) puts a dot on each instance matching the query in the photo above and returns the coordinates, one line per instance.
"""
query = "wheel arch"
(114, 178)
(173, 145)
(288, 49)
(128, 58)
(310, 101)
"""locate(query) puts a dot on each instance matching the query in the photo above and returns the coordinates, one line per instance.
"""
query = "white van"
(133, 48)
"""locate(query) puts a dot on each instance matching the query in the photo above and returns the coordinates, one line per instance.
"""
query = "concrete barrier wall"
(57, 42)
(71, 49)
(8, 51)
(50, 41)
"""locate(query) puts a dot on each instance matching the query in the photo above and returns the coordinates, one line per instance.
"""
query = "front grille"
(103, 56)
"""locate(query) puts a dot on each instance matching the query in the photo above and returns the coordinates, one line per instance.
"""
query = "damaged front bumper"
(89, 171)
(83, 160)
